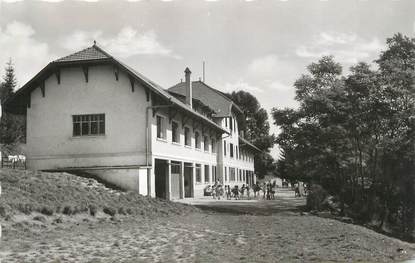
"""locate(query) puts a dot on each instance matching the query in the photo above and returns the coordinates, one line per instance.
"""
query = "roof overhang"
(17, 104)
(243, 142)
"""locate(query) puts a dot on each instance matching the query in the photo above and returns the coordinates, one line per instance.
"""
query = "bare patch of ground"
(240, 232)
(203, 237)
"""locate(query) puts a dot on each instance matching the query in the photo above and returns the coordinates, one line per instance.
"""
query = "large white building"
(90, 113)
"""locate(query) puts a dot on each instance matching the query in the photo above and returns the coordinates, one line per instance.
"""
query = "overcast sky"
(258, 46)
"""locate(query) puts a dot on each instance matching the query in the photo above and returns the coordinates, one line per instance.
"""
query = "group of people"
(244, 192)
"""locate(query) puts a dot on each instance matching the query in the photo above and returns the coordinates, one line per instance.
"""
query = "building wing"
(88, 57)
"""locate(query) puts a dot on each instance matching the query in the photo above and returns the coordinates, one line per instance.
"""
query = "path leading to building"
(225, 231)
(285, 201)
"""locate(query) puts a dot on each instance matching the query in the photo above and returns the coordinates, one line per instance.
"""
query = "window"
(175, 132)
(230, 123)
(187, 139)
(231, 150)
(224, 148)
(88, 124)
(175, 167)
(226, 174)
(161, 127)
(198, 173)
(213, 142)
(240, 175)
(213, 174)
(206, 143)
(232, 174)
(207, 177)
(197, 140)
(236, 152)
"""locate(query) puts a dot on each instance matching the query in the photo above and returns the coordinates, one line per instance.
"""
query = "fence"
(15, 164)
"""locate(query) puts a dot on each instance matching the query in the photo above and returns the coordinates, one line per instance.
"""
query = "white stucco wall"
(234, 162)
(166, 149)
(50, 143)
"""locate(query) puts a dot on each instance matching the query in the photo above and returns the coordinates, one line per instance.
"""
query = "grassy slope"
(27, 191)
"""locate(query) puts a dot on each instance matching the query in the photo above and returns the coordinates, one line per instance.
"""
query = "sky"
(260, 46)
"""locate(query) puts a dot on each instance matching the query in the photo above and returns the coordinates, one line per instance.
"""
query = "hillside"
(55, 194)
(58, 217)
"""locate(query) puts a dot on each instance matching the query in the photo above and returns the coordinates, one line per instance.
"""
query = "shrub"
(46, 211)
(2, 211)
(93, 210)
(67, 210)
(109, 211)
(40, 219)
(316, 197)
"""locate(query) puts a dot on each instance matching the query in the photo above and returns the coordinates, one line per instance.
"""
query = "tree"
(256, 128)
(355, 135)
(12, 127)
(9, 81)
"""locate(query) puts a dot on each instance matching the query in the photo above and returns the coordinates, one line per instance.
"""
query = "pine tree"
(7, 87)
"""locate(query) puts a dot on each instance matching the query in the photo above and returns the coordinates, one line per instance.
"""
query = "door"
(160, 172)
(188, 180)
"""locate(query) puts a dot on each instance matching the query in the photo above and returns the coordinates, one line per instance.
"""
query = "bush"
(109, 211)
(316, 197)
(2, 211)
(40, 219)
(67, 210)
(46, 211)
(93, 210)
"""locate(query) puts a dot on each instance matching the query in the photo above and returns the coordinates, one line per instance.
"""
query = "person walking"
(228, 192)
(247, 192)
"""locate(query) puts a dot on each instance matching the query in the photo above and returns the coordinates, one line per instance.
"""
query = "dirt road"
(244, 231)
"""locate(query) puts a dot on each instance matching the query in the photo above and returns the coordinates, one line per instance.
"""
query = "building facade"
(91, 114)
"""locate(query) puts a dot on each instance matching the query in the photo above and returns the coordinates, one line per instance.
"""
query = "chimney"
(188, 84)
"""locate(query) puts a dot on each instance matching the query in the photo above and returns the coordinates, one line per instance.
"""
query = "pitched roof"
(243, 141)
(97, 54)
(217, 100)
(90, 53)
